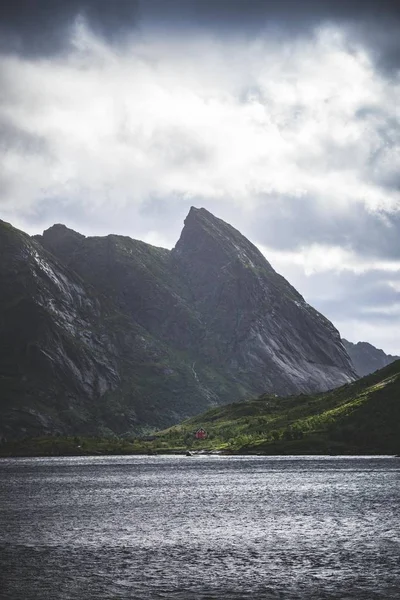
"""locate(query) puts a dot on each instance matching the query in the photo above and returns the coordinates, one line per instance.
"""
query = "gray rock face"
(109, 334)
(255, 321)
(366, 358)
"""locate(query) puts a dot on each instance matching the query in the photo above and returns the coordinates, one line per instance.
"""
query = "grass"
(360, 417)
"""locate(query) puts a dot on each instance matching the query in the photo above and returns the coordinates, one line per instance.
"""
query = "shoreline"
(195, 454)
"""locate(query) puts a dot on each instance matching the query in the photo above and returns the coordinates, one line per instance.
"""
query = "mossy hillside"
(360, 417)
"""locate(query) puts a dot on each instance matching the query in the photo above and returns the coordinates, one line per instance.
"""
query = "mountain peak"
(201, 216)
(60, 240)
(212, 240)
(195, 212)
(59, 229)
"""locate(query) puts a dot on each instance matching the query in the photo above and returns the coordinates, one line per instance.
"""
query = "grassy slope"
(358, 418)
(363, 416)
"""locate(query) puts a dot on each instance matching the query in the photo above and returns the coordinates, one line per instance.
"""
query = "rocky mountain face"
(269, 336)
(110, 334)
(366, 358)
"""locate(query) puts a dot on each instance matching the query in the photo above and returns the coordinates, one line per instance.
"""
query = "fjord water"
(200, 527)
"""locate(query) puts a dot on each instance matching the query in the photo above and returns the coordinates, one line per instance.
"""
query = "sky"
(282, 118)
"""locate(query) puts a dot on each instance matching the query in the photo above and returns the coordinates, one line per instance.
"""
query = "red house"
(200, 434)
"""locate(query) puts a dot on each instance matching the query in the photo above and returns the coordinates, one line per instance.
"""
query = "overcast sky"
(283, 118)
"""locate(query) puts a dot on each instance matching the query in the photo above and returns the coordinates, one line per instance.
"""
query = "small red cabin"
(200, 434)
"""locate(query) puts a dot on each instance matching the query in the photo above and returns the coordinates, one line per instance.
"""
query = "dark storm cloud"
(41, 27)
(374, 24)
(240, 13)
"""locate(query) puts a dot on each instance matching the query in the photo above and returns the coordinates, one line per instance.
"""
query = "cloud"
(364, 236)
(281, 128)
(294, 139)
(322, 258)
(43, 28)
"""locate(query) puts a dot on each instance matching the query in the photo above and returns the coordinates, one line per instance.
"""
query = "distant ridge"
(366, 358)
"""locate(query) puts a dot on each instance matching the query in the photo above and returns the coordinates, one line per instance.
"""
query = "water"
(200, 527)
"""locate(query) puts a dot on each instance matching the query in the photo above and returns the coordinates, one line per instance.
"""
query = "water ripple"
(201, 527)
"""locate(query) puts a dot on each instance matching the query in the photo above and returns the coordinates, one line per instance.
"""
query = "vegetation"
(361, 417)
(358, 418)
(76, 446)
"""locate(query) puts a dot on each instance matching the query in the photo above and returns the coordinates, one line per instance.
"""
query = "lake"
(201, 527)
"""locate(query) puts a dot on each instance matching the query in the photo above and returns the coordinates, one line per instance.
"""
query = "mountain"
(362, 417)
(268, 335)
(103, 335)
(366, 358)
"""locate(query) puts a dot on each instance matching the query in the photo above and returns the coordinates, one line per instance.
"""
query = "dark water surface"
(200, 527)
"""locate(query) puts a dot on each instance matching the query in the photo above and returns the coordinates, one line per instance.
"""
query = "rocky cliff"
(268, 336)
(366, 358)
(109, 334)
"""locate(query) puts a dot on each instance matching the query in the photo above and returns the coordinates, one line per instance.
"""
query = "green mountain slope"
(360, 417)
